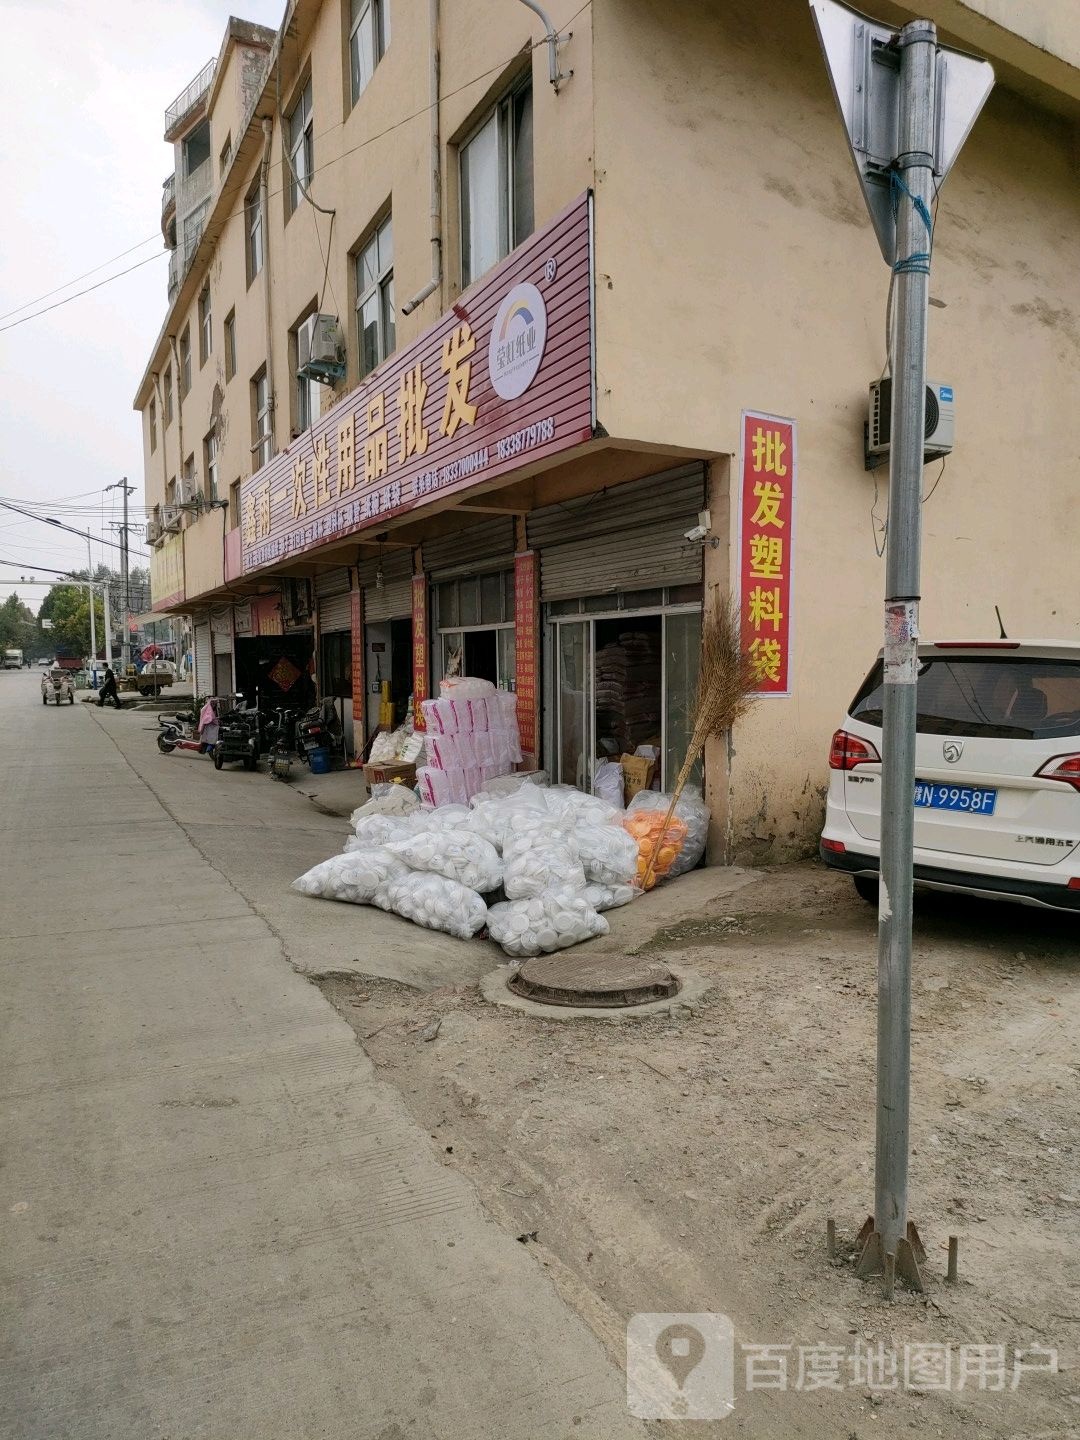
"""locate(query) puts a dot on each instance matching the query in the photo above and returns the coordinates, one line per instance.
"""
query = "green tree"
(18, 628)
(68, 607)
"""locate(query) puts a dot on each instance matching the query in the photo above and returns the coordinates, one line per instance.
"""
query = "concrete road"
(217, 1221)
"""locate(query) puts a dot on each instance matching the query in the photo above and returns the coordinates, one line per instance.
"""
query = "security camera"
(697, 533)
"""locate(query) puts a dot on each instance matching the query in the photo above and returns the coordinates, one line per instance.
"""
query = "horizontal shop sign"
(505, 378)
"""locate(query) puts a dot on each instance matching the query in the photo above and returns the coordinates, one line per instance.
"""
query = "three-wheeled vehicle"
(56, 685)
(238, 736)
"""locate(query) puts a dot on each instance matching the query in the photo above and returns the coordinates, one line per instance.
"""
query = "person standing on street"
(109, 691)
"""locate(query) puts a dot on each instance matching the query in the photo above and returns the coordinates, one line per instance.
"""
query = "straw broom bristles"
(724, 695)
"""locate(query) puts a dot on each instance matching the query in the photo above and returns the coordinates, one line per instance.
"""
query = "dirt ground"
(690, 1162)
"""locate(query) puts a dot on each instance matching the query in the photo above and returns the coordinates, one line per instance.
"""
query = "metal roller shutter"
(487, 546)
(393, 600)
(204, 660)
(332, 582)
(629, 538)
(335, 613)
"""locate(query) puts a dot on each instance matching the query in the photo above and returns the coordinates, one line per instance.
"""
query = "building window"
(369, 35)
(187, 481)
(260, 402)
(253, 225)
(206, 328)
(170, 492)
(166, 389)
(301, 127)
(497, 184)
(375, 298)
(196, 148)
(185, 361)
(210, 460)
(230, 345)
(225, 157)
(234, 504)
(307, 393)
(153, 426)
(193, 228)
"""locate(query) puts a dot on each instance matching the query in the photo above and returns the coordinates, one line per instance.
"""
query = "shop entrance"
(624, 678)
(474, 617)
(388, 648)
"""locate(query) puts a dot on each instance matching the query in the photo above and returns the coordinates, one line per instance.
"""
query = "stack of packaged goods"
(471, 738)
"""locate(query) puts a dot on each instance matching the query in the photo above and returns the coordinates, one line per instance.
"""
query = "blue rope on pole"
(919, 262)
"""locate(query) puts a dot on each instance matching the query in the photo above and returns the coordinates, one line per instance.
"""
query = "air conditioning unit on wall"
(940, 422)
(170, 517)
(320, 350)
(153, 531)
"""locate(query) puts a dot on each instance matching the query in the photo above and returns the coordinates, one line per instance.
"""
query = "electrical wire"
(92, 271)
(59, 525)
(34, 315)
(937, 481)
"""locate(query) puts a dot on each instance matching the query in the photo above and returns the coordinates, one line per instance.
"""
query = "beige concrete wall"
(737, 269)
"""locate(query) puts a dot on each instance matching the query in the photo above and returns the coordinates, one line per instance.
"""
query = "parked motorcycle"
(238, 737)
(319, 729)
(179, 732)
(280, 741)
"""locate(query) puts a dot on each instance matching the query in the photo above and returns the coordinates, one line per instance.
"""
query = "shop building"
(575, 350)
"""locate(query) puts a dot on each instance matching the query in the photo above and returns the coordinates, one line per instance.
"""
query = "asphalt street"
(218, 1221)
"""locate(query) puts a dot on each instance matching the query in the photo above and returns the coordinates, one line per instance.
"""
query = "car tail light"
(1065, 768)
(1074, 883)
(834, 847)
(847, 751)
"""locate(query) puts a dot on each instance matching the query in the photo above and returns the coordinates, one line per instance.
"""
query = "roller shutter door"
(332, 582)
(204, 660)
(487, 546)
(335, 613)
(393, 601)
(631, 537)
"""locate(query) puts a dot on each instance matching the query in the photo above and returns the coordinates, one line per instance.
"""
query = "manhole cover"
(603, 982)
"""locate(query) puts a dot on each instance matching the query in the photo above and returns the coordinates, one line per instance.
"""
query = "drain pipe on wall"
(264, 206)
(436, 171)
(179, 418)
(555, 75)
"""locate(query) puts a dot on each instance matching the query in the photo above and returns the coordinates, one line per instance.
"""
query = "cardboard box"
(638, 774)
(392, 770)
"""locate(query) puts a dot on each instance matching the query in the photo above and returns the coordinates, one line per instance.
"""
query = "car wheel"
(219, 759)
(866, 887)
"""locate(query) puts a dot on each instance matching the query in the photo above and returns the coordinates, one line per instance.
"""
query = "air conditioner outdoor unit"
(170, 517)
(940, 421)
(320, 350)
(153, 531)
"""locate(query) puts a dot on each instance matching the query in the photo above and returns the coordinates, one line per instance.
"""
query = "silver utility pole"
(908, 105)
(90, 596)
(890, 1246)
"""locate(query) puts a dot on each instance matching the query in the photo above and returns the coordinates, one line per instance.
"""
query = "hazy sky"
(83, 107)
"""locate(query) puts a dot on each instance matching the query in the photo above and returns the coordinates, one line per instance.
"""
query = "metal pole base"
(910, 1254)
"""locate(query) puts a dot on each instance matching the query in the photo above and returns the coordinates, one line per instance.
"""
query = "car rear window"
(1009, 698)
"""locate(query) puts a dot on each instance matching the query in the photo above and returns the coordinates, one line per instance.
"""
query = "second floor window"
(260, 401)
(497, 184)
(375, 298)
(225, 157)
(230, 345)
(369, 35)
(253, 226)
(301, 146)
(185, 361)
(196, 148)
(166, 404)
(206, 327)
(153, 426)
(210, 456)
(234, 504)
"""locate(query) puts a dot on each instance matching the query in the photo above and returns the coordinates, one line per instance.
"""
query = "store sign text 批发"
(503, 379)
(766, 523)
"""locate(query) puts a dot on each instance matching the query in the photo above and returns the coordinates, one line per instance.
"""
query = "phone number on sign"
(525, 439)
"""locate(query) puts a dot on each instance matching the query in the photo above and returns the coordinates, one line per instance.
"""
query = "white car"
(997, 788)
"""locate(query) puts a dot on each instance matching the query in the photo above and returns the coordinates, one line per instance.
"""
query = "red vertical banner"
(359, 687)
(527, 648)
(421, 647)
(767, 472)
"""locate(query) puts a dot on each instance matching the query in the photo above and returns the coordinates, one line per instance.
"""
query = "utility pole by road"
(125, 587)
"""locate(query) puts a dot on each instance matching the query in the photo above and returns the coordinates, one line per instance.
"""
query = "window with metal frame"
(261, 437)
(153, 425)
(206, 326)
(375, 298)
(210, 461)
(301, 134)
(166, 394)
(185, 361)
(306, 394)
(196, 148)
(369, 37)
(496, 172)
(230, 345)
(234, 504)
(225, 157)
(253, 227)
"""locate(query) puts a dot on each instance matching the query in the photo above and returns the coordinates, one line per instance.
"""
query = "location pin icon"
(680, 1349)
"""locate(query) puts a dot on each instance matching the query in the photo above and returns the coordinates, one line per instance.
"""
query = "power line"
(59, 525)
(79, 293)
(67, 286)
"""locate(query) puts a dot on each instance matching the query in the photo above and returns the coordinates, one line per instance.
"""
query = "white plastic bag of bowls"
(580, 808)
(501, 817)
(608, 782)
(538, 867)
(446, 817)
(386, 800)
(385, 746)
(510, 784)
(694, 814)
(372, 831)
(464, 687)
(540, 924)
(437, 903)
(355, 878)
(454, 854)
(609, 897)
(608, 854)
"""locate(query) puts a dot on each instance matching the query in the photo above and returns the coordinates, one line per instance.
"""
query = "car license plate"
(930, 796)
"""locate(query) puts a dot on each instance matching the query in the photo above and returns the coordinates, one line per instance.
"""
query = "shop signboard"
(356, 603)
(167, 573)
(767, 474)
(526, 642)
(504, 379)
(421, 651)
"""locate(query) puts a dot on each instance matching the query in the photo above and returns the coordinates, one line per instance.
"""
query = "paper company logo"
(516, 347)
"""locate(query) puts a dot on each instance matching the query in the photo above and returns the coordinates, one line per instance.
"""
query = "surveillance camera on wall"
(697, 533)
